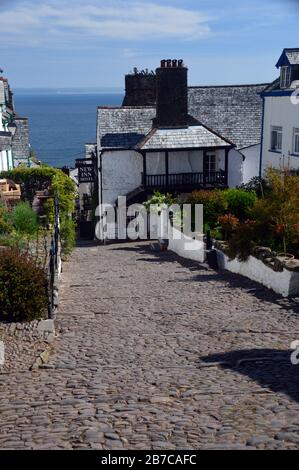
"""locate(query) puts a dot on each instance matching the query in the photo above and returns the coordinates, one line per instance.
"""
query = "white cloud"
(119, 20)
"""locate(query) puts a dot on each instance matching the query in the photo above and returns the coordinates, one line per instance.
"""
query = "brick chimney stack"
(172, 94)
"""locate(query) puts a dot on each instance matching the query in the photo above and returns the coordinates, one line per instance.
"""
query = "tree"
(280, 208)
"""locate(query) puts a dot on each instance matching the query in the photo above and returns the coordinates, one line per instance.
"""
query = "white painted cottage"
(170, 137)
(6, 113)
(280, 137)
(192, 138)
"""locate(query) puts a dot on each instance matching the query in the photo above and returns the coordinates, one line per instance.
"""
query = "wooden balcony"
(185, 181)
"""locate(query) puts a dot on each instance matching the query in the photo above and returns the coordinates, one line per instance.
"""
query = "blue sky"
(93, 43)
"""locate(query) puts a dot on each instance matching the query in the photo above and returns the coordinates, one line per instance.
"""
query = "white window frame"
(209, 163)
(285, 76)
(296, 141)
(278, 130)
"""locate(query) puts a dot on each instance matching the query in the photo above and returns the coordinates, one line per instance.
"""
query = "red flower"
(280, 229)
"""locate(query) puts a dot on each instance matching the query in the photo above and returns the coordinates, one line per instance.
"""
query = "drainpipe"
(101, 177)
(262, 138)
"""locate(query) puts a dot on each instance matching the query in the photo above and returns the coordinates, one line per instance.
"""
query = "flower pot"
(163, 244)
(286, 256)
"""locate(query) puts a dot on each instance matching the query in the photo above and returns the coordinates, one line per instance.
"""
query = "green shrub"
(214, 205)
(277, 215)
(68, 236)
(239, 202)
(24, 219)
(5, 227)
(159, 199)
(13, 239)
(23, 288)
(45, 177)
(216, 233)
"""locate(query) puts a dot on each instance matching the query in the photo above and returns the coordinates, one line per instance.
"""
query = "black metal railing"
(53, 264)
(217, 178)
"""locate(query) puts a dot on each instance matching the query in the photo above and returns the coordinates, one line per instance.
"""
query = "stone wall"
(26, 345)
(5, 141)
(37, 329)
(20, 141)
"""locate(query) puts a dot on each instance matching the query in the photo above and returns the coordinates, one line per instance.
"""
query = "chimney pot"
(168, 62)
(174, 63)
(163, 62)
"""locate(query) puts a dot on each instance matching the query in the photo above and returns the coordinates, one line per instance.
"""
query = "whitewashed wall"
(6, 160)
(235, 168)
(186, 247)
(121, 170)
(279, 111)
(3, 161)
(121, 173)
(10, 160)
(251, 163)
(1, 122)
(284, 283)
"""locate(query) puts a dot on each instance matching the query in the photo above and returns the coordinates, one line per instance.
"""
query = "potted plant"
(155, 207)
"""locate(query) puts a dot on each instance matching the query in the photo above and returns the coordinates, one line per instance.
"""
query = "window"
(210, 163)
(285, 77)
(296, 142)
(276, 139)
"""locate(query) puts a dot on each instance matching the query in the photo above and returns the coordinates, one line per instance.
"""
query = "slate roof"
(235, 111)
(123, 127)
(275, 85)
(293, 56)
(290, 56)
(189, 137)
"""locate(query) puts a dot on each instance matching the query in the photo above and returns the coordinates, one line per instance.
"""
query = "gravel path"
(155, 352)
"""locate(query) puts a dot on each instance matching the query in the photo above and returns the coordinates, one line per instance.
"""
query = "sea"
(62, 121)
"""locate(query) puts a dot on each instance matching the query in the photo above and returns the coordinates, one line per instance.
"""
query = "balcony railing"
(180, 180)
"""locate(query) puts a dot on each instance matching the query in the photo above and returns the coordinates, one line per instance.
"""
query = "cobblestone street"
(155, 352)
